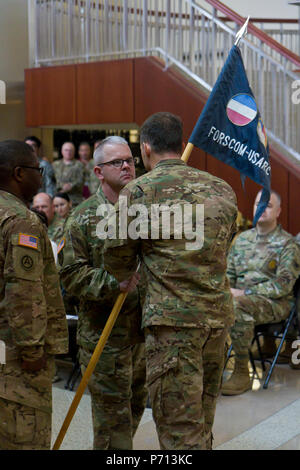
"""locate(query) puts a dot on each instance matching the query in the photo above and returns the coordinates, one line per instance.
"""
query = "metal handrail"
(181, 33)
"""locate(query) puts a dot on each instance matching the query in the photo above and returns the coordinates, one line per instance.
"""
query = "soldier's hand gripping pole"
(100, 346)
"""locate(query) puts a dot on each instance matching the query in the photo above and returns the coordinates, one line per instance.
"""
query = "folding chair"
(277, 330)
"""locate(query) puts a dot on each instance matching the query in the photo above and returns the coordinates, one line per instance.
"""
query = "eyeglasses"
(119, 162)
(38, 168)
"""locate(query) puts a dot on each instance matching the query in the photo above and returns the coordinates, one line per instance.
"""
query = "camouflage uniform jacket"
(185, 287)
(72, 173)
(83, 276)
(56, 229)
(32, 315)
(49, 180)
(268, 265)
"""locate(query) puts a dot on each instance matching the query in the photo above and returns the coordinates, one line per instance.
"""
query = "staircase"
(184, 35)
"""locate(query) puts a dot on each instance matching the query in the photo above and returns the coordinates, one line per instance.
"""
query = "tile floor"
(257, 420)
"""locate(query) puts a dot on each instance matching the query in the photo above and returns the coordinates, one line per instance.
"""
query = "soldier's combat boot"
(239, 381)
(268, 349)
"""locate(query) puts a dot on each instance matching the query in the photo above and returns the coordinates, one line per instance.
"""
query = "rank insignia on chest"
(28, 240)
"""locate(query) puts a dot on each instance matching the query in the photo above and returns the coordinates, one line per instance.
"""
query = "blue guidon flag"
(231, 129)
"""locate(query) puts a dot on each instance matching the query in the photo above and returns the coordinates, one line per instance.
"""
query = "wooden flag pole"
(100, 346)
(90, 368)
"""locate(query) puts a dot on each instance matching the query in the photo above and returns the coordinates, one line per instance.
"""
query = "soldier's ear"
(147, 149)
(98, 172)
(18, 174)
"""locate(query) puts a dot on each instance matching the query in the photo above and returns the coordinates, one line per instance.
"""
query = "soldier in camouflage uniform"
(32, 317)
(263, 266)
(43, 202)
(188, 306)
(84, 152)
(48, 182)
(117, 385)
(69, 174)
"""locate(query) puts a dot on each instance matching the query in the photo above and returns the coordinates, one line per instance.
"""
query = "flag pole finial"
(242, 32)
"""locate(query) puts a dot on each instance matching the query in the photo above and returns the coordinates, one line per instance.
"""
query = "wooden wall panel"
(104, 92)
(280, 183)
(294, 204)
(158, 90)
(50, 96)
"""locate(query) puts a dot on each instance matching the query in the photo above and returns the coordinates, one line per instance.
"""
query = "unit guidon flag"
(231, 129)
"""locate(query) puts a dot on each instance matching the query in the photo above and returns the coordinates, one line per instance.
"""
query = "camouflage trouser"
(184, 371)
(251, 310)
(23, 427)
(118, 395)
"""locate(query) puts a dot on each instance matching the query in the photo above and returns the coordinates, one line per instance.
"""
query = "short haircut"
(14, 153)
(49, 197)
(163, 131)
(34, 139)
(99, 153)
(68, 142)
(84, 143)
(275, 193)
(62, 196)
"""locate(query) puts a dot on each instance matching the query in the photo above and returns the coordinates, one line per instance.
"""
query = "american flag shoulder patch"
(60, 245)
(28, 240)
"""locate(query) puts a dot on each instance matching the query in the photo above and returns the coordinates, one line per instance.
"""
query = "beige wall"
(13, 61)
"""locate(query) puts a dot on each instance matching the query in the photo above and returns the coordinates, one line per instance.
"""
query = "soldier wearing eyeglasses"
(117, 385)
(32, 317)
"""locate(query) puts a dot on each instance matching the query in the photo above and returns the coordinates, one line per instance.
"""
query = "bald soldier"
(188, 305)
(117, 385)
(43, 202)
(263, 266)
(32, 316)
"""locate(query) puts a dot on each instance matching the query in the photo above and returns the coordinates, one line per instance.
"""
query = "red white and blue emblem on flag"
(230, 127)
(241, 109)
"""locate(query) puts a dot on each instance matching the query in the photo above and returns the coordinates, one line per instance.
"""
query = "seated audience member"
(263, 265)
(62, 205)
(69, 174)
(48, 178)
(42, 202)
